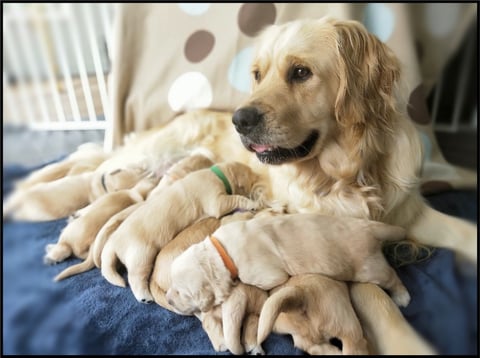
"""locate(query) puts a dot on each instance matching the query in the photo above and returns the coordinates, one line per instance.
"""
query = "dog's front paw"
(402, 298)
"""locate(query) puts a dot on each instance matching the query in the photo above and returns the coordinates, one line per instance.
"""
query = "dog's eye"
(299, 74)
(257, 76)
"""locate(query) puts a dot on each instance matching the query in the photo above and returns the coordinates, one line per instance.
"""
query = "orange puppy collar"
(225, 257)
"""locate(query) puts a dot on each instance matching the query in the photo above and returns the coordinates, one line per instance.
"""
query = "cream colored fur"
(138, 239)
(365, 163)
(269, 249)
(313, 309)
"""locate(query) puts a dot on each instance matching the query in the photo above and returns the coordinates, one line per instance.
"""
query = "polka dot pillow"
(171, 57)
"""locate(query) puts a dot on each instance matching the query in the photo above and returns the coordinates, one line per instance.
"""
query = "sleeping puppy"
(233, 325)
(347, 249)
(86, 158)
(50, 200)
(195, 161)
(223, 323)
(93, 258)
(76, 238)
(200, 194)
(313, 309)
(35, 198)
(111, 182)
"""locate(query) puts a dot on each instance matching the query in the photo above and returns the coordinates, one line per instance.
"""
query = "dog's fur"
(223, 323)
(365, 163)
(138, 239)
(267, 250)
(313, 309)
(108, 221)
(76, 238)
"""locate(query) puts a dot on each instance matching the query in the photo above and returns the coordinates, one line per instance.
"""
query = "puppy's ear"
(205, 298)
(368, 73)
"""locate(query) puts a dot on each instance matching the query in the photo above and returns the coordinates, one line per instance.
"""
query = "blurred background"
(56, 62)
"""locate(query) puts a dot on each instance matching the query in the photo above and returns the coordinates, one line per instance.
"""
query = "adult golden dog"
(326, 126)
(265, 251)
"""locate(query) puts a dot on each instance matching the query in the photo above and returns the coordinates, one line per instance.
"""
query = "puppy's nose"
(246, 118)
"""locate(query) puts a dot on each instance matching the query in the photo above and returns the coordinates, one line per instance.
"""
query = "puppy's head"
(195, 286)
(241, 177)
(311, 80)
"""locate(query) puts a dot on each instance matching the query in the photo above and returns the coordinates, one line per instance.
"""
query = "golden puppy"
(214, 191)
(76, 238)
(86, 158)
(233, 324)
(223, 323)
(50, 200)
(93, 258)
(35, 198)
(313, 309)
(265, 251)
(184, 166)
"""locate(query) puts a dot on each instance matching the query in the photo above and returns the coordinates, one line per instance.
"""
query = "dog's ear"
(205, 298)
(368, 72)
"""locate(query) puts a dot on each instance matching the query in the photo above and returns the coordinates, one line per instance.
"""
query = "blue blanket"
(87, 315)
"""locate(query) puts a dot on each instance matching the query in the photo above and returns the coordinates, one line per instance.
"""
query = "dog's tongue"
(260, 148)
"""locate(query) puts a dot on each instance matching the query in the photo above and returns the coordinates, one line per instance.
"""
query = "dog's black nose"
(246, 118)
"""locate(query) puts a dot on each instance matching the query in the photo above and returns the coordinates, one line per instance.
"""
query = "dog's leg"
(378, 271)
(57, 253)
(233, 313)
(214, 329)
(383, 324)
(320, 349)
(139, 264)
(441, 230)
(249, 335)
(228, 203)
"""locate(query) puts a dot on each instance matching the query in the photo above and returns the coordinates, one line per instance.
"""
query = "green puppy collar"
(222, 177)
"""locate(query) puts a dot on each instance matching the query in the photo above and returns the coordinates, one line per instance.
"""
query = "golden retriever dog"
(86, 158)
(230, 326)
(34, 198)
(265, 251)
(326, 127)
(184, 166)
(137, 241)
(93, 258)
(51, 200)
(76, 238)
(313, 309)
(384, 326)
(233, 324)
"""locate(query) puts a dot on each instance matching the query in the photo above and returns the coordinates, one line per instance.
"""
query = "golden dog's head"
(314, 82)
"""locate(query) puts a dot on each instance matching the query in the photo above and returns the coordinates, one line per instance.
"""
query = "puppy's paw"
(47, 260)
(401, 298)
(221, 348)
(49, 248)
(254, 206)
(145, 298)
(257, 351)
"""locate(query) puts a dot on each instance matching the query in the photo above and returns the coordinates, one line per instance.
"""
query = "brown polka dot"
(253, 17)
(417, 106)
(199, 45)
(435, 186)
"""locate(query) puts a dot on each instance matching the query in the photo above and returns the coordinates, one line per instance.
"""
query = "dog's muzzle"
(249, 122)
